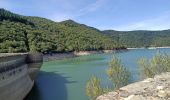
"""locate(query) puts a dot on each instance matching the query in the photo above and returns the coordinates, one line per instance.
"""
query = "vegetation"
(93, 88)
(120, 75)
(117, 73)
(158, 64)
(140, 38)
(7, 15)
(33, 34)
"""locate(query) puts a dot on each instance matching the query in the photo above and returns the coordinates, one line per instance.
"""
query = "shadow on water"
(49, 86)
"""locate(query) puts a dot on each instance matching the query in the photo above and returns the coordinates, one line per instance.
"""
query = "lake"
(66, 79)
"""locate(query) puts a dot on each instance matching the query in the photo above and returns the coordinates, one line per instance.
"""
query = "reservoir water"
(66, 79)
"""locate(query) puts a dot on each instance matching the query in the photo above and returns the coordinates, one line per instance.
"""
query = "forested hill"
(24, 33)
(140, 38)
(20, 33)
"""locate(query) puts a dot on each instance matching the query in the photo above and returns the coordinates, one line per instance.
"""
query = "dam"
(17, 74)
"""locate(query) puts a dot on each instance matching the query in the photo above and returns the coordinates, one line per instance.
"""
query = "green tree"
(43, 35)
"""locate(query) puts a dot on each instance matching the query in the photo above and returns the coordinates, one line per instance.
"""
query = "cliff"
(157, 88)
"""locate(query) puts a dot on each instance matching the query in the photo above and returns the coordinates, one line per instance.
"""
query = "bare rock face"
(157, 88)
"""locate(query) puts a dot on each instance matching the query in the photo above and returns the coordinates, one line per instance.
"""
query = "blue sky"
(102, 14)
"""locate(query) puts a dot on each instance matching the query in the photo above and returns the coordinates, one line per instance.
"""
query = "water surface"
(66, 79)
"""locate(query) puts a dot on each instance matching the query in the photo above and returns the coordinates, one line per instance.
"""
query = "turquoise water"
(66, 79)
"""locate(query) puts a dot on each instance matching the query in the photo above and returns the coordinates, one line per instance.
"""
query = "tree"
(43, 35)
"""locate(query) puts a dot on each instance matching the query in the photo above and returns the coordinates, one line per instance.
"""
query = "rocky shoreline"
(157, 88)
(59, 56)
(150, 48)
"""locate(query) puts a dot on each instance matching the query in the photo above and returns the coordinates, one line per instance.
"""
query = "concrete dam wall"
(17, 74)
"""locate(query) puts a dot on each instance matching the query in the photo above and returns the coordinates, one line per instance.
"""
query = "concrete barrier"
(17, 74)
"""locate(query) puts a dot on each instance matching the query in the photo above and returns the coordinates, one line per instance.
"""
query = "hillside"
(20, 33)
(140, 38)
(24, 33)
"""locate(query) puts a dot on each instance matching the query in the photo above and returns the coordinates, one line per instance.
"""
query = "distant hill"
(24, 33)
(140, 38)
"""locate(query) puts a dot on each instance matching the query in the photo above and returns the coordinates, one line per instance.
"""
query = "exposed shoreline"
(57, 56)
(150, 48)
(60, 56)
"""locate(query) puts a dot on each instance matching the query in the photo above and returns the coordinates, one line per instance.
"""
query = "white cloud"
(157, 23)
(77, 13)
(57, 10)
(60, 17)
(92, 7)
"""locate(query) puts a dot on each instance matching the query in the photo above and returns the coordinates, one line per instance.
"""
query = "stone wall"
(157, 88)
(17, 74)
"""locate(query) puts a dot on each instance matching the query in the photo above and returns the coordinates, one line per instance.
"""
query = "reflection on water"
(50, 86)
(80, 60)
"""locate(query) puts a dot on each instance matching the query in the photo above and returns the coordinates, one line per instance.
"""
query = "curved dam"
(17, 74)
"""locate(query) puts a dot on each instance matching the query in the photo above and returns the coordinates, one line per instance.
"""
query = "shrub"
(118, 74)
(93, 88)
(158, 64)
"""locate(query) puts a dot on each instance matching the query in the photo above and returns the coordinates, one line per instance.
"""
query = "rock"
(162, 94)
(148, 80)
(160, 87)
(129, 97)
(168, 93)
(135, 97)
(124, 93)
(152, 98)
(157, 88)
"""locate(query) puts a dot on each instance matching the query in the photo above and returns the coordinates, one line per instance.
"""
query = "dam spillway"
(17, 74)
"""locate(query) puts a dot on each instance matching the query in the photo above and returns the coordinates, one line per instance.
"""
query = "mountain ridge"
(45, 35)
(142, 38)
(20, 33)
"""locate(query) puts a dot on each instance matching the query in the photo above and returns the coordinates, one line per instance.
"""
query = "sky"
(122, 15)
